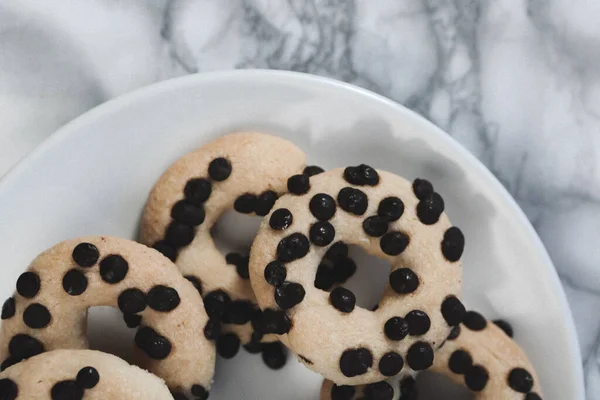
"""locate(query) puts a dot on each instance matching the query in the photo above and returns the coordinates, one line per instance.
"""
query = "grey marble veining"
(515, 81)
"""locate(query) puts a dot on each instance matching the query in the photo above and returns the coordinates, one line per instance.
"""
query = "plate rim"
(116, 103)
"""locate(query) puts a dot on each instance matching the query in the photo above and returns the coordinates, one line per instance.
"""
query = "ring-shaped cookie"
(77, 375)
(245, 172)
(390, 218)
(49, 308)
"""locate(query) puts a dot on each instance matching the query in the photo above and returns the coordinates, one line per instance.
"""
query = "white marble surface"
(517, 82)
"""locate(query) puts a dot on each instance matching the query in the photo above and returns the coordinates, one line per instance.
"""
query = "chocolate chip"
(474, 321)
(245, 204)
(8, 389)
(275, 273)
(9, 362)
(166, 250)
(390, 364)
(216, 302)
(422, 188)
(85, 254)
(153, 344)
(274, 355)
(23, 346)
(281, 219)
(179, 235)
(212, 329)
(375, 226)
(453, 244)
(132, 301)
(254, 347)
(289, 294)
(453, 310)
(419, 356)
(196, 282)
(187, 213)
(342, 299)
(28, 284)
(390, 209)
(113, 269)
(408, 388)
(74, 282)
(342, 392)
(228, 345)
(505, 326)
(343, 269)
(322, 233)
(379, 391)
(238, 312)
(197, 190)
(88, 377)
(272, 321)
(430, 208)
(532, 396)
(265, 202)
(8, 308)
(476, 378)
(241, 264)
(454, 332)
(404, 281)
(36, 316)
(396, 328)
(322, 206)
(354, 362)
(219, 169)
(394, 243)
(353, 200)
(460, 361)
(132, 320)
(179, 396)
(520, 380)
(298, 184)
(336, 252)
(418, 322)
(163, 298)
(199, 392)
(361, 175)
(66, 390)
(324, 279)
(292, 247)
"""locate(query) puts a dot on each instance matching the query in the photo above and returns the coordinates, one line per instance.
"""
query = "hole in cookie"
(432, 386)
(107, 332)
(234, 232)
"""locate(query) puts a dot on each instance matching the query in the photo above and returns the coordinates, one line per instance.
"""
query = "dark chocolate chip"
(197, 190)
(474, 321)
(419, 356)
(404, 281)
(337, 251)
(74, 282)
(215, 303)
(187, 213)
(460, 361)
(322, 233)
(36, 316)
(152, 343)
(430, 208)
(88, 377)
(342, 392)
(212, 329)
(113, 269)
(253, 347)
(476, 378)
(281, 219)
(242, 267)
(28, 284)
(312, 170)
(289, 294)
(408, 389)
(179, 235)
(199, 392)
(66, 390)
(505, 326)
(454, 332)
(520, 380)
(418, 322)
(132, 320)
(219, 169)
(322, 206)
(361, 175)
(342, 299)
(234, 258)
(396, 328)
(179, 396)
(379, 391)
(8, 308)
(23, 346)
(453, 244)
(375, 226)
(533, 396)
(453, 310)
(228, 345)
(298, 184)
(353, 200)
(275, 273)
(132, 301)
(292, 247)
(265, 202)
(422, 188)
(196, 282)
(394, 243)
(245, 204)
(238, 312)
(343, 269)
(85, 254)
(166, 250)
(272, 321)
(354, 362)
(8, 389)
(390, 209)
(390, 364)
(163, 298)
(324, 279)
(9, 362)
(274, 355)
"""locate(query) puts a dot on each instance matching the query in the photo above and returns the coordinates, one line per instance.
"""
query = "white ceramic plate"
(93, 176)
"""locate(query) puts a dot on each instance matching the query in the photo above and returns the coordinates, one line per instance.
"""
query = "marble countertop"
(515, 81)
